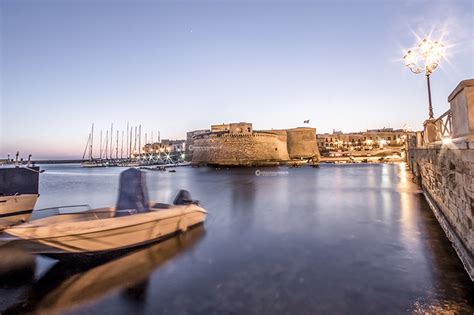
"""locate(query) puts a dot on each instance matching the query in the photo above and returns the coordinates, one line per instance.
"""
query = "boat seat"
(132, 193)
(159, 205)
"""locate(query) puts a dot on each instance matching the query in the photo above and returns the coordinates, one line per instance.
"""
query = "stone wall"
(189, 142)
(239, 149)
(442, 159)
(447, 178)
(302, 143)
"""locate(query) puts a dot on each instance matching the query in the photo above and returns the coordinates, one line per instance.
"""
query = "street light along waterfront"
(430, 52)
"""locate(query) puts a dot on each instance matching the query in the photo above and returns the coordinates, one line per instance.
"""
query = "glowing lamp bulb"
(410, 58)
(425, 46)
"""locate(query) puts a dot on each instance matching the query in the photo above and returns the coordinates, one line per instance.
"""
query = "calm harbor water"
(341, 239)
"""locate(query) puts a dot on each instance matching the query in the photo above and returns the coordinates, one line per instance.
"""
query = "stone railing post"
(418, 140)
(430, 131)
(461, 101)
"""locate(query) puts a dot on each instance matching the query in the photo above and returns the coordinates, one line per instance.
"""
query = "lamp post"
(425, 57)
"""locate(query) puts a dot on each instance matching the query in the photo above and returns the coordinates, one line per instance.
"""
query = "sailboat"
(91, 161)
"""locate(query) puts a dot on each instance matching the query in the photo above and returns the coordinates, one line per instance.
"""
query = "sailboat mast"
(85, 149)
(140, 141)
(130, 144)
(106, 145)
(135, 141)
(100, 149)
(92, 143)
(121, 147)
(111, 139)
(127, 140)
(116, 145)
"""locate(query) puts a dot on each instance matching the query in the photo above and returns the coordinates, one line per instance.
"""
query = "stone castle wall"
(302, 143)
(258, 148)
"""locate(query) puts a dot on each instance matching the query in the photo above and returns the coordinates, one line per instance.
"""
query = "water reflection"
(449, 290)
(70, 285)
(408, 205)
(17, 272)
(341, 239)
(17, 267)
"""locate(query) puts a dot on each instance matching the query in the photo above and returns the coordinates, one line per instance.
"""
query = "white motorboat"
(100, 230)
(132, 223)
(18, 193)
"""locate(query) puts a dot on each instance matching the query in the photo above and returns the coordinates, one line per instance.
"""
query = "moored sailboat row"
(125, 150)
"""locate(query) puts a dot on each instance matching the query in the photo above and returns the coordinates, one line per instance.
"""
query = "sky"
(176, 66)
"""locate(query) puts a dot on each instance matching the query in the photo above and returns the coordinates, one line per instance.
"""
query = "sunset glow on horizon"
(176, 67)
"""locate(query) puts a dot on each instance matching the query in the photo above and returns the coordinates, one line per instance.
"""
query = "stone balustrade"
(457, 124)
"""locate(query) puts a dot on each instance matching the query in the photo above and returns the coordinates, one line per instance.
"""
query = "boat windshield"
(47, 212)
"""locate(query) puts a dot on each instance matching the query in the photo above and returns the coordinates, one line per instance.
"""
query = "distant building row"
(365, 140)
(165, 146)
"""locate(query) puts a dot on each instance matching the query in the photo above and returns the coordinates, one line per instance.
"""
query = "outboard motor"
(132, 193)
(184, 198)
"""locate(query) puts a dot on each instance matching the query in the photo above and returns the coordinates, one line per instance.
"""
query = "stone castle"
(237, 144)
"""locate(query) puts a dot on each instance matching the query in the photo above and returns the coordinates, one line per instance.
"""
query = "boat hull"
(17, 208)
(71, 234)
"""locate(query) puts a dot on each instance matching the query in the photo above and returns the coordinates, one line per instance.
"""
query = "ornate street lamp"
(425, 57)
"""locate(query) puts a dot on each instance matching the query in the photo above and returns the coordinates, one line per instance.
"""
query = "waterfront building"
(385, 139)
(165, 146)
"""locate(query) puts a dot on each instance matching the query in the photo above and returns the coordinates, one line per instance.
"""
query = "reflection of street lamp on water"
(425, 57)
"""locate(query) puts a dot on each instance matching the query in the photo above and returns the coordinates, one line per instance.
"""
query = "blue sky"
(176, 66)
